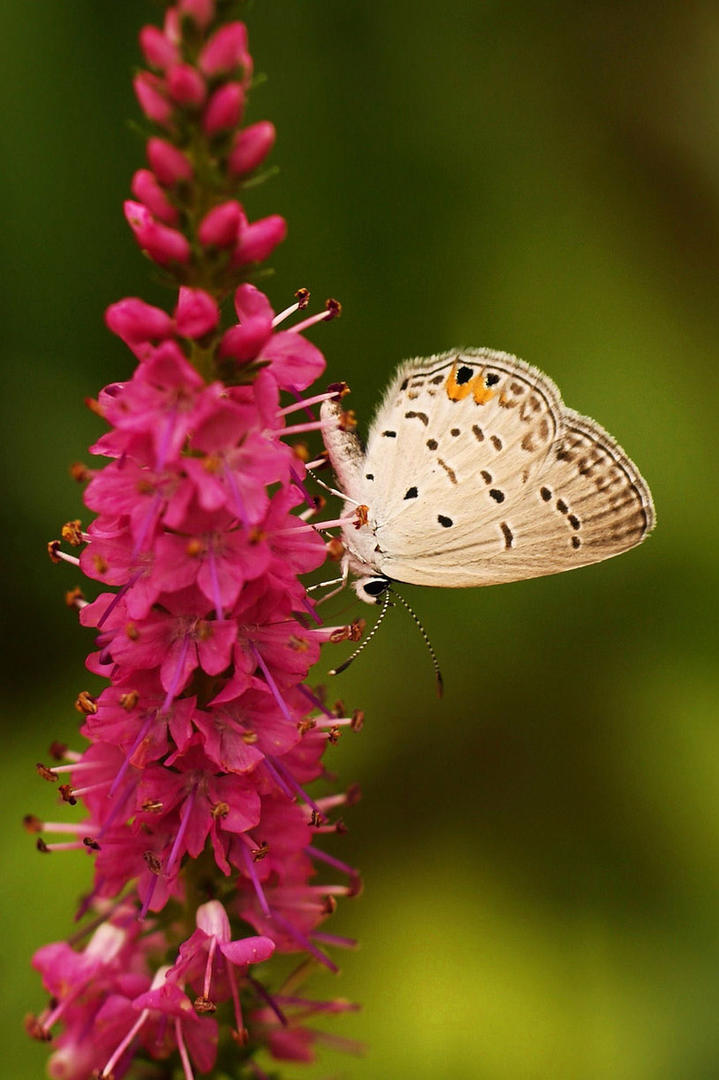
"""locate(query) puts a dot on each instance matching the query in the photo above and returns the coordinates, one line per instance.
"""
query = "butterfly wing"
(476, 474)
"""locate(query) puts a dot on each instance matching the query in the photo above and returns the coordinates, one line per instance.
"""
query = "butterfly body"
(475, 473)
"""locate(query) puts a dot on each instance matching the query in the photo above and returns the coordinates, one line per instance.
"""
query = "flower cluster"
(193, 787)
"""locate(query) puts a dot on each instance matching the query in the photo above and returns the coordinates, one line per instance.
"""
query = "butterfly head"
(370, 589)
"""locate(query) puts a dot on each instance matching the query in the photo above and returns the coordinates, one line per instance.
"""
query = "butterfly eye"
(374, 586)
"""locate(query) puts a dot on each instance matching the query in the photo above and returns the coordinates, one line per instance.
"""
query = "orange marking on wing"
(455, 391)
(482, 393)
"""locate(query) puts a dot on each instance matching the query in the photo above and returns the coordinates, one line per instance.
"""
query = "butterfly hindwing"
(475, 473)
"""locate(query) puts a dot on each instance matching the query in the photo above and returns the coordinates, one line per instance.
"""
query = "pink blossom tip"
(146, 189)
(251, 147)
(224, 109)
(201, 11)
(169, 164)
(221, 226)
(161, 243)
(158, 50)
(135, 321)
(186, 86)
(226, 51)
(150, 93)
(259, 239)
(196, 313)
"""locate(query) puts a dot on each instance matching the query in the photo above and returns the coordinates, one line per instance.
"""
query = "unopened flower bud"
(220, 227)
(158, 50)
(196, 313)
(185, 85)
(202, 11)
(250, 147)
(260, 239)
(149, 90)
(226, 51)
(224, 109)
(133, 321)
(146, 189)
(169, 164)
(161, 243)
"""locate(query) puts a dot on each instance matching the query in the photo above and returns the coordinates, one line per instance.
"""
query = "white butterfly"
(476, 473)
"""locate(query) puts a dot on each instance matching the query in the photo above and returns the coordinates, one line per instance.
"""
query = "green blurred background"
(541, 848)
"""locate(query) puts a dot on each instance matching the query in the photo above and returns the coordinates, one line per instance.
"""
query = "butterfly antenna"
(425, 638)
(386, 605)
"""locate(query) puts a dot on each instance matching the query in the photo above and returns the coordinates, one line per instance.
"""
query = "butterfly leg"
(340, 582)
(332, 491)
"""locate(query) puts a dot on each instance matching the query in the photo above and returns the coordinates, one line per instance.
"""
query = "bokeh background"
(541, 848)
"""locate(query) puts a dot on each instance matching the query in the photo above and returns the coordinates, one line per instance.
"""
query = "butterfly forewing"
(475, 474)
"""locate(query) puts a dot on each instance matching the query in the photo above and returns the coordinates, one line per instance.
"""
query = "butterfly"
(476, 473)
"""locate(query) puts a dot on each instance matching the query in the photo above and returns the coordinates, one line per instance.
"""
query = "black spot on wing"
(369, 476)
(464, 374)
(411, 493)
(389, 434)
(492, 379)
(508, 534)
(417, 416)
(432, 444)
(497, 495)
(445, 522)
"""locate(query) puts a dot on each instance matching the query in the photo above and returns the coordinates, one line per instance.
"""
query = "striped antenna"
(428, 643)
(386, 605)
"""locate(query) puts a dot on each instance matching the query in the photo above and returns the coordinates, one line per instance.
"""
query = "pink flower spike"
(158, 50)
(169, 164)
(260, 239)
(149, 90)
(161, 243)
(185, 85)
(226, 51)
(196, 313)
(251, 146)
(224, 109)
(135, 321)
(220, 227)
(202, 11)
(145, 187)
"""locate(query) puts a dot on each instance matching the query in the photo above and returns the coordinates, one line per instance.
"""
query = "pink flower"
(211, 962)
(166, 1021)
(204, 739)
(292, 360)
